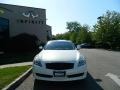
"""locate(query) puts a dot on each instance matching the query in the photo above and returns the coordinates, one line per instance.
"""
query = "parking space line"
(114, 77)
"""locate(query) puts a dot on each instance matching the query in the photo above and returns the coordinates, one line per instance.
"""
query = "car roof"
(60, 41)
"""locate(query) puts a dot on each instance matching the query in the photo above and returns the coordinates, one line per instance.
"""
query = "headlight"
(81, 62)
(38, 63)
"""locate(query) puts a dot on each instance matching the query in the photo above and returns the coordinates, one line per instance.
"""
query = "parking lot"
(103, 74)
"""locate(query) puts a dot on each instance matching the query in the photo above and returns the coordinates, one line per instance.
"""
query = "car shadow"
(88, 84)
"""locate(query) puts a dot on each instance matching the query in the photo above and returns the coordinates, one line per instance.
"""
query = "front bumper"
(49, 74)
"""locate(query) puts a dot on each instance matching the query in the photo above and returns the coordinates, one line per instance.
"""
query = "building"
(15, 20)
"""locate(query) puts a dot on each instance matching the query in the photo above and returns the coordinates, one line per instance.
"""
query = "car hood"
(59, 55)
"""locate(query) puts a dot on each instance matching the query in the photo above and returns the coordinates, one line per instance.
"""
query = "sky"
(58, 12)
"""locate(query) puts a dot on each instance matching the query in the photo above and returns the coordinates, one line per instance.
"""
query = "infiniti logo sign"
(30, 14)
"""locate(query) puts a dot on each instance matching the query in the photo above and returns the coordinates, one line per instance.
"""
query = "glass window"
(55, 45)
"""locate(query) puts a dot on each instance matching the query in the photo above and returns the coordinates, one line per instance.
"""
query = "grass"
(7, 75)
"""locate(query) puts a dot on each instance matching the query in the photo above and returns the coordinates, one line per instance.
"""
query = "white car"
(59, 61)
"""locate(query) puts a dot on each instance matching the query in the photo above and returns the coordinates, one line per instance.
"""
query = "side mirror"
(78, 47)
(40, 48)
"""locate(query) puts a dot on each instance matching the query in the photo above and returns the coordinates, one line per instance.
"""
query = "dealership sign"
(30, 14)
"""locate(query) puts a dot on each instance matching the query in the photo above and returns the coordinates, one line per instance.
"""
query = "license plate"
(59, 73)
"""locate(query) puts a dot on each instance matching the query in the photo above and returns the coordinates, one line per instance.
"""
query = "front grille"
(59, 66)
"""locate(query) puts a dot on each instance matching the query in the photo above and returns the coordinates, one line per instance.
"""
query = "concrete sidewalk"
(16, 64)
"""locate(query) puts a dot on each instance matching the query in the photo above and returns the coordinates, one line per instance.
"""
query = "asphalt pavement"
(103, 74)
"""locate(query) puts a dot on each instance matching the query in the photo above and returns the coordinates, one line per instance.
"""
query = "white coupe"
(59, 60)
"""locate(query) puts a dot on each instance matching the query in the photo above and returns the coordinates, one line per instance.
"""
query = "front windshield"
(59, 46)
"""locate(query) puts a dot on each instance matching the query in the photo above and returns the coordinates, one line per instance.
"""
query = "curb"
(18, 81)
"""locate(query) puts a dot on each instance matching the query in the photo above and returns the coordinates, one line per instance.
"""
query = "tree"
(58, 36)
(73, 37)
(73, 26)
(107, 29)
(84, 35)
(77, 33)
